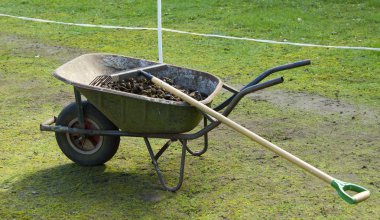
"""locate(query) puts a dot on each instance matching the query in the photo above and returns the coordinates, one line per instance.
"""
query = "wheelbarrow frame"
(209, 123)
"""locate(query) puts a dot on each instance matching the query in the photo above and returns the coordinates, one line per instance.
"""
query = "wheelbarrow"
(88, 132)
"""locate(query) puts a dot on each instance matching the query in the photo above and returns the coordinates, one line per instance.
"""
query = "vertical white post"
(159, 32)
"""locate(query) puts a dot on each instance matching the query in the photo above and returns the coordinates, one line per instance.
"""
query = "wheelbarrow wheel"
(86, 150)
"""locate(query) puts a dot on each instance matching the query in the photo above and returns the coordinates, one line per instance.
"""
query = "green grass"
(353, 21)
(236, 179)
(333, 70)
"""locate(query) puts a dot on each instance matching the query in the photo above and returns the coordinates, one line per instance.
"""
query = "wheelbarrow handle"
(263, 76)
(277, 69)
(46, 124)
(340, 186)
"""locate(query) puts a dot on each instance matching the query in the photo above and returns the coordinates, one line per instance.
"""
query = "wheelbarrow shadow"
(75, 189)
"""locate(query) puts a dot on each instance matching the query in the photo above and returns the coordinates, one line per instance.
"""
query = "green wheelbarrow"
(88, 132)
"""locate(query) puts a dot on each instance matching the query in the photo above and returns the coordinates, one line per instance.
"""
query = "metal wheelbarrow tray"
(135, 113)
(88, 132)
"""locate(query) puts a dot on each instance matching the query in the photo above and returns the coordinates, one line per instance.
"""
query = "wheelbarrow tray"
(135, 113)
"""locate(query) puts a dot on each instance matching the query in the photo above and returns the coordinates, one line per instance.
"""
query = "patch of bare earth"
(26, 47)
(337, 120)
(316, 104)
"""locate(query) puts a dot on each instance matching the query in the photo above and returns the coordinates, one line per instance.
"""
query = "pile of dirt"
(141, 86)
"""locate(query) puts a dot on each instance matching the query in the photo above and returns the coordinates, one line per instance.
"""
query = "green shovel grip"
(341, 187)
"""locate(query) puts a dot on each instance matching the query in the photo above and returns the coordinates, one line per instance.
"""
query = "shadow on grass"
(89, 191)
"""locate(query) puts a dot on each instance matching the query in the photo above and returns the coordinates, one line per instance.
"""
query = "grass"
(236, 178)
(277, 20)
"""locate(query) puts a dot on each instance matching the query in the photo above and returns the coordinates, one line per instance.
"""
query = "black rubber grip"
(292, 65)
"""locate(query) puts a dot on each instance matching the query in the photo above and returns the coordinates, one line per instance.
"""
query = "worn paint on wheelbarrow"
(134, 113)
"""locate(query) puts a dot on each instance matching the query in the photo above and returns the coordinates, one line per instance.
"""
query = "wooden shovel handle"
(205, 109)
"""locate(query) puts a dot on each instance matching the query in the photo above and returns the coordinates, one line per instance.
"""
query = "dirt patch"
(314, 103)
(25, 47)
(306, 117)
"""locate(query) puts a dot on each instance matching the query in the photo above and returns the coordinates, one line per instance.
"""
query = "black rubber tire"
(104, 147)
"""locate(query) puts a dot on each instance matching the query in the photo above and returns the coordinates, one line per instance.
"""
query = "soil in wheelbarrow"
(141, 86)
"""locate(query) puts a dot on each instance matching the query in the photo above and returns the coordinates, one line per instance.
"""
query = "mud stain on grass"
(25, 47)
(314, 103)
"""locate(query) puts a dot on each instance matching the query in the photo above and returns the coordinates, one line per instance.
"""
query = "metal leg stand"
(163, 149)
(159, 173)
(78, 100)
(205, 146)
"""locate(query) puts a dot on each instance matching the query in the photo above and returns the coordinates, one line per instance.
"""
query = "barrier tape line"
(192, 33)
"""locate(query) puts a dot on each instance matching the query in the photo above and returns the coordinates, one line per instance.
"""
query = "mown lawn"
(327, 113)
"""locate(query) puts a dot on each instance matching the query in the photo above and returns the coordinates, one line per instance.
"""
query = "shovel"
(341, 187)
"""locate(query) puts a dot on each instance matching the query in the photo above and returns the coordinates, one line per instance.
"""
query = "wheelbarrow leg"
(159, 173)
(163, 149)
(78, 100)
(196, 153)
(205, 142)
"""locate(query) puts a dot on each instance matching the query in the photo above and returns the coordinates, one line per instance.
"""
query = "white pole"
(159, 32)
